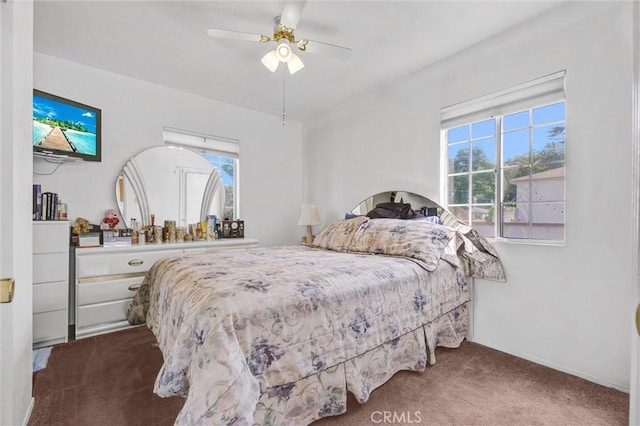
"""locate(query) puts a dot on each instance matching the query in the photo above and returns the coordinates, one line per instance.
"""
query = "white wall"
(134, 113)
(16, 56)
(569, 307)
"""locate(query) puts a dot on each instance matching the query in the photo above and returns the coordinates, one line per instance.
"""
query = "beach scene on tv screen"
(63, 127)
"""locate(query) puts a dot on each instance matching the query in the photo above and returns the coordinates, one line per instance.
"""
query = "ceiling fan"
(283, 35)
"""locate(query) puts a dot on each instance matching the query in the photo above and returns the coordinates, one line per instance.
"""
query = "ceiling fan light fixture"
(284, 52)
(295, 64)
(271, 61)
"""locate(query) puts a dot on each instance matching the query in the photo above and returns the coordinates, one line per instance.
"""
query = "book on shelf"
(37, 201)
(45, 204)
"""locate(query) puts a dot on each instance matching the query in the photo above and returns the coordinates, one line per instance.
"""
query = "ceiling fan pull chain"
(284, 114)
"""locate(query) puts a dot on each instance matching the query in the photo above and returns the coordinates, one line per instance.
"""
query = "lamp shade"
(309, 215)
(270, 60)
(295, 64)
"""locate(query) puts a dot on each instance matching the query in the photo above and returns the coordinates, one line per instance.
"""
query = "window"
(223, 154)
(505, 158)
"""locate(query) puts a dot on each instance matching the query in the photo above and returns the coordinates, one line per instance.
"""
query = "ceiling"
(165, 42)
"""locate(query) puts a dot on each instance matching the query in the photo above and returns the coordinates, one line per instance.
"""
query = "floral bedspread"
(235, 325)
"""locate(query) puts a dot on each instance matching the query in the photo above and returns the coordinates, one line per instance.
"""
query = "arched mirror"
(418, 202)
(171, 182)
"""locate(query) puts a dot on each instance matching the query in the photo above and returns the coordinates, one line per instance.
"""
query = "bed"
(278, 335)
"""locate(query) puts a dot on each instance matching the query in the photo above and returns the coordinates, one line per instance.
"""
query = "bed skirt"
(325, 394)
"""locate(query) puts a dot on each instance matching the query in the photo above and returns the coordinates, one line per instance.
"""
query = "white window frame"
(210, 144)
(547, 90)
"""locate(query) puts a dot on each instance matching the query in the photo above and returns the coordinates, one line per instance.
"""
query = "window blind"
(221, 145)
(541, 91)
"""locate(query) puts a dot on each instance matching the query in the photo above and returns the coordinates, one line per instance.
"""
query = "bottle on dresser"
(134, 231)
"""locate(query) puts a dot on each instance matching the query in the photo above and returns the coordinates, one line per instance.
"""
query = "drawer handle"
(136, 262)
(134, 287)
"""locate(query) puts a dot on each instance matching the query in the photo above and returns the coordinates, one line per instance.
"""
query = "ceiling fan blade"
(232, 35)
(291, 13)
(327, 49)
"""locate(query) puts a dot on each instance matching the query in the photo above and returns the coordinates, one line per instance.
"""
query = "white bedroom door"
(16, 168)
(6, 310)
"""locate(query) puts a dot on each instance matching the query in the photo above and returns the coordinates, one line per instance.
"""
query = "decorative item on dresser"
(50, 282)
(106, 279)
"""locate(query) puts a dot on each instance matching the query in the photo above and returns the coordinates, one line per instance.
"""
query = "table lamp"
(308, 218)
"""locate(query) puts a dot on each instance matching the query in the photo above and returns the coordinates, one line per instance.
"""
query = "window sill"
(510, 241)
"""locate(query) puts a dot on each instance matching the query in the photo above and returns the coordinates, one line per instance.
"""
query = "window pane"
(549, 113)
(484, 190)
(459, 189)
(459, 158)
(546, 213)
(515, 221)
(461, 212)
(483, 128)
(548, 142)
(515, 121)
(515, 148)
(458, 134)
(515, 183)
(483, 154)
(548, 185)
(547, 221)
(483, 220)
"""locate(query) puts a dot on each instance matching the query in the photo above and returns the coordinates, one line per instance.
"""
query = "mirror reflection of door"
(169, 182)
(194, 182)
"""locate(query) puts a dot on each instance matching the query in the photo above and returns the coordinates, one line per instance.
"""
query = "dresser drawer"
(102, 313)
(50, 325)
(50, 267)
(106, 291)
(118, 263)
(50, 237)
(50, 296)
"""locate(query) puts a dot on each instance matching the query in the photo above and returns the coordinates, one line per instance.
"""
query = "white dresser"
(50, 282)
(106, 279)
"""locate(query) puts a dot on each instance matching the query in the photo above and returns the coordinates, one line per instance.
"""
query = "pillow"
(421, 241)
(448, 219)
(480, 257)
(432, 219)
(337, 236)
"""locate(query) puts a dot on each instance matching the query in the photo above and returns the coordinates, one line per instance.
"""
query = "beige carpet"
(108, 380)
(476, 385)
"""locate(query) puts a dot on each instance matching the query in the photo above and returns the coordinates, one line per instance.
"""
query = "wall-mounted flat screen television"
(65, 128)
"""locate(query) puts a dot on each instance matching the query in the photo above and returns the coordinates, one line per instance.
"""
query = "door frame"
(634, 393)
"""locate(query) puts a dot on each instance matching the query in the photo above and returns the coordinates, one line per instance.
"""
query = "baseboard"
(564, 369)
(29, 410)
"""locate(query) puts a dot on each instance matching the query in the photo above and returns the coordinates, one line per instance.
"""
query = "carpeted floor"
(108, 380)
